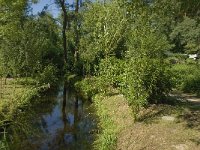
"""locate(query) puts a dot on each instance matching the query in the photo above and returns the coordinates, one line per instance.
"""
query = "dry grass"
(15, 96)
(150, 132)
(153, 133)
(9, 89)
(158, 136)
(8, 94)
(119, 110)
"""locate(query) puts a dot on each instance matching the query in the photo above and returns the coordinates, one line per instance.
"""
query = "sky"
(53, 9)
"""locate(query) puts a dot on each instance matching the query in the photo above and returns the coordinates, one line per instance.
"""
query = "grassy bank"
(118, 129)
(114, 116)
(16, 96)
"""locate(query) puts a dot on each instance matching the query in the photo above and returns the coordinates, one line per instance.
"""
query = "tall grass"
(107, 137)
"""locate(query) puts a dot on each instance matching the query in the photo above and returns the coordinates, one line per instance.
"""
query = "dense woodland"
(139, 48)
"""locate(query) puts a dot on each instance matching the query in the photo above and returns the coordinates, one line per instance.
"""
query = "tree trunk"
(76, 33)
(62, 3)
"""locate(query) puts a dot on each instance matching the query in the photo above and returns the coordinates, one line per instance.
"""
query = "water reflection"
(66, 126)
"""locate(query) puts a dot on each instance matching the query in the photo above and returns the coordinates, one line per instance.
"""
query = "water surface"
(64, 123)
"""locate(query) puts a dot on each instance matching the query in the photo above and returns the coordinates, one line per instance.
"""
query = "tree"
(12, 16)
(62, 4)
(187, 33)
(102, 31)
(135, 31)
(189, 8)
(26, 40)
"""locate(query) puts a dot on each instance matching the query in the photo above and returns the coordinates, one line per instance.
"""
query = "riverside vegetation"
(127, 57)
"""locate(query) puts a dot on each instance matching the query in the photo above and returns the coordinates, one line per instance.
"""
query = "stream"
(67, 123)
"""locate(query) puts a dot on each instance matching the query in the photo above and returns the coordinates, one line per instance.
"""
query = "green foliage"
(48, 75)
(171, 60)
(107, 139)
(71, 79)
(3, 137)
(87, 87)
(189, 7)
(28, 43)
(192, 83)
(176, 58)
(110, 73)
(103, 30)
(132, 61)
(145, 72)
(118, 44)
(108, 76)
(25, 81)
(19, 99)
(188, 33)
(186, 77)
(191, 61)
(114, 117)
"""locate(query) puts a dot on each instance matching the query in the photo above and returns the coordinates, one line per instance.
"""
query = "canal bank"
(62, 120)
(17, 96)
(59, 120)
(114, 116)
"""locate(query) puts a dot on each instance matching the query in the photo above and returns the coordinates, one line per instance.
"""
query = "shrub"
(48, 75)
(186, 77)
(171, 60)
(109, 76)
(190, 61)
(110, 73)
(145, 80)
(192, 83)
(87, 87)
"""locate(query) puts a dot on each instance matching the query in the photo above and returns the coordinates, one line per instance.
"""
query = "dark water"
(65, 123)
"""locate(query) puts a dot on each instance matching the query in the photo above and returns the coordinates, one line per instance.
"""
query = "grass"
(114, 116)
(119, 131)
(152, 132)
(15, 98)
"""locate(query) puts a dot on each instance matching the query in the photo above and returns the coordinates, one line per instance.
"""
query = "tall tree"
(12, 14)
(62, 4)
(76, 32)
(189, 8)
(187, 33)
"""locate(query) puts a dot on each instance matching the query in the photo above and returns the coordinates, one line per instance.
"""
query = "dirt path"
(191, 98)
(151, 132)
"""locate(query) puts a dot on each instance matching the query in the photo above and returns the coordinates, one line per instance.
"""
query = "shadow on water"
(67, 125)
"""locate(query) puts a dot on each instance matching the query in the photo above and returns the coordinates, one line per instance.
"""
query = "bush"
(171, 60)
(181, 57)
(192, 83)
(48, 75)
(191, 61)
(87, 87)
(110, 73)
(176, 58)
(145, 80)
(109, 76)
(186, 77)
(141, 80)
